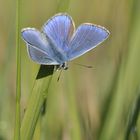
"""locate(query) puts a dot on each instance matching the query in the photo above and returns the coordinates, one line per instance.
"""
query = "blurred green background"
(86, 104)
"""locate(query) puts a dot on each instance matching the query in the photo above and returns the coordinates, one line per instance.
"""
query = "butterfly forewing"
(59, 30)
(86, 37)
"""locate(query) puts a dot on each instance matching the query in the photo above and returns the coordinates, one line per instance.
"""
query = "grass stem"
(18, 73)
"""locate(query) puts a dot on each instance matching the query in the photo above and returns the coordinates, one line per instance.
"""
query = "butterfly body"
(59, 43)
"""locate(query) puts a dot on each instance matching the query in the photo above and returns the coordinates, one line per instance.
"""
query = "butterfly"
(58, 43)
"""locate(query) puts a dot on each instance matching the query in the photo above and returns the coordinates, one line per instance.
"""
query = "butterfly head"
(64, 66)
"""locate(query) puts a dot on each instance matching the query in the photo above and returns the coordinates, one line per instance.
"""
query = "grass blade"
(36, 101)
(18, 76)
(133, 119)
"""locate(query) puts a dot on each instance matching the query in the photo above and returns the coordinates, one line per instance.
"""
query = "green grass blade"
(131, 129)
(36, 101)
(128, 81)
(18, 76)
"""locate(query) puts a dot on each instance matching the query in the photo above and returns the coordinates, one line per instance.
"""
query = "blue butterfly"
(58, 42)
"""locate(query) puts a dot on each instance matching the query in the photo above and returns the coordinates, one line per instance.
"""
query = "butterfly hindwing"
(40, 56)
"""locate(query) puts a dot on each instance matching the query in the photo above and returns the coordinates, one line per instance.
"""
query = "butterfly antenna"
(84, 65)
(59, 75)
